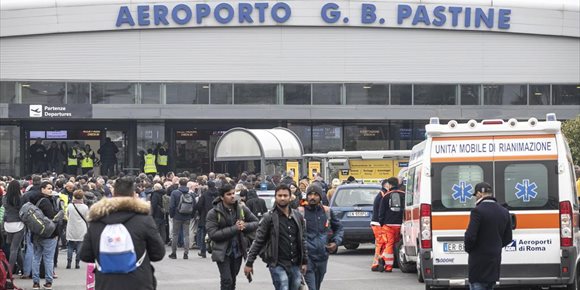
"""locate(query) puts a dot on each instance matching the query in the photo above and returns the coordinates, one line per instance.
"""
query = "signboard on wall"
(294, 167)
(50, 112)
(372, 171)
(313, 167)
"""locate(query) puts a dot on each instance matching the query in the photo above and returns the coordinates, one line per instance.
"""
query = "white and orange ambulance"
(530, 167)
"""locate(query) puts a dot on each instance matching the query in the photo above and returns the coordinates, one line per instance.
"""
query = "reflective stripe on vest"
(162, 160)
(87, 161)
(150, 164)
(73, 161)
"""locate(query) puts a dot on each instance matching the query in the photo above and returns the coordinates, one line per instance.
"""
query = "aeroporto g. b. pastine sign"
(340, 13)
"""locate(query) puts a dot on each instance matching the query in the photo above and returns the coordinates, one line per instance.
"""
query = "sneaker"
(54, 275)
(185, 257)
(388, 270)
(172, 256)
(375, 268)
(77, 266)
(36, 286)
(47, 286)
(201, 255)
(381, 265)
(25, 277)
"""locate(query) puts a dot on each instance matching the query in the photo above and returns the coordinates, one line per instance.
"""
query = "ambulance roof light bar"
(551, 117)
(492, 122)
(434, 120)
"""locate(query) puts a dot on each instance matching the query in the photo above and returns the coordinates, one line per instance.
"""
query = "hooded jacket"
(256, 204)
(223, 230)
(205, 203)
(318, 228)
(134, 214)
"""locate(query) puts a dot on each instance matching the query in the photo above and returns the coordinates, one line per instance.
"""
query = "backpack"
(395, 202)
(6, 279)
(36, 221)
(116, 251)
(166, 201)
(186, 203)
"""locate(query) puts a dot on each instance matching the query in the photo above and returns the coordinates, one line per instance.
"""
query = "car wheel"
(406, 267)
(352, 246)
(419, 272)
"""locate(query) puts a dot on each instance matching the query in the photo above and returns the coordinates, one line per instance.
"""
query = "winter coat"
(107, 153)
(173, 210)
(268, 232)
(377, 206)
(224, 230)
(386, 215)
(157, 211)
(317, 229)
(205, 204)
(134, 214)
(47, 205)
(10, 211)
(256, 204)
(489, 230)
(76, 228)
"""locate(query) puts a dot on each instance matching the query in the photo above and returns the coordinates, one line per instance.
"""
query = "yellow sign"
(371, 171)
(293, 166)
(313, 167)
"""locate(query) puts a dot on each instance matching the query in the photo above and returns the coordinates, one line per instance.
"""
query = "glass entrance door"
(119, 138)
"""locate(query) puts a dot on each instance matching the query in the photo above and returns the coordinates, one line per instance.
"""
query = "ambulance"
(529, 165)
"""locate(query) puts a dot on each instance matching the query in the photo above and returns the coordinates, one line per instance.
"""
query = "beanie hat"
(314, 188)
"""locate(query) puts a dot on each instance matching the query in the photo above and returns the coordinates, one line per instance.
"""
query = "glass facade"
(9, 150)
(326, 94)
(78, 93)
(470, 94)
(401, 94)
(263, 94)
(151, 93)
(435, 94)
(297, 94)
(539, 94)
(113, 93)
(505, 94)
(183, 93)
(222, 94)
(365, 137)
(43, 93)
(367, 94)
(7, 92)
(566, 94)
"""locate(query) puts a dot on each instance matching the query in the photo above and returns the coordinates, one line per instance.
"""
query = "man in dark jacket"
(489, 230)
(108, 153)
(380, 239)
(157, 211)
(281, 237)
(228, 223)
(44, 247)
(256, 204)
(391, 217)
(133, 213)
(37, 156)
(180, 220)
(320, 221)
(203, 206)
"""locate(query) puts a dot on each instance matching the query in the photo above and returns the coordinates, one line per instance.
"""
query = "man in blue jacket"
(320, 221)
(489, 230)
(180, 218)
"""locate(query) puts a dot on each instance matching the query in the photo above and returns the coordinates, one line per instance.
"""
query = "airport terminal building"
(343, 75)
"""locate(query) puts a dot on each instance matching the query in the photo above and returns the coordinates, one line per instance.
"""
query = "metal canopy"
(239, 144)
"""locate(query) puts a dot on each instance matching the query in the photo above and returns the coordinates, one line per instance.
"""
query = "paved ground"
(348, 270)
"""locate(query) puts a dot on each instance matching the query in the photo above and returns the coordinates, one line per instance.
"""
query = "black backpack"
(396, 200)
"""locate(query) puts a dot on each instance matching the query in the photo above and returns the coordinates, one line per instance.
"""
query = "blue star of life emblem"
(462, 191)
(526, 190)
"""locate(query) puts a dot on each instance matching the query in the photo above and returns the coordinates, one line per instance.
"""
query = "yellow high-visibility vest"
(73, 161)
(162, 160)
(87, 161)
(150, 164)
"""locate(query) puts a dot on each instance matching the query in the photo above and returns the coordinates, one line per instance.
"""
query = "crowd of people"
(184, 211)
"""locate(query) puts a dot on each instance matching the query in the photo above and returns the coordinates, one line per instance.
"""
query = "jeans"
(15, 241)
(43, 249)
(161, 227)
(73, 246)
(229, 269)
(200, 237)
(177, 227)
(481, 286)
(283, 280)
(107, 168)
(28, 255)
(315, 274)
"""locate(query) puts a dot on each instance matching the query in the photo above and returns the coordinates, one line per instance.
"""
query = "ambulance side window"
(526, 185)
(458, 185)
(574, 188)
(410, 187)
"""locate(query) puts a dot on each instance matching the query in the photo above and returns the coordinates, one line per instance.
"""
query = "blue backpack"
(116, 251)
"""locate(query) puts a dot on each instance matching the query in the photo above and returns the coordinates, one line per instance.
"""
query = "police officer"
(149, 165)
(88, 159)
(489, 230)
(73, 158)
(163, 158)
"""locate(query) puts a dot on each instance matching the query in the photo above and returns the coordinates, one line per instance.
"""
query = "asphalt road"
(350, 269)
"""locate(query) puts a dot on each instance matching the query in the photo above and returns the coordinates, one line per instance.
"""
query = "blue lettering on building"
(330, 13)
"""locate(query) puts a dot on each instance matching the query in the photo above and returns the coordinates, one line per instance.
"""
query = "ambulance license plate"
(450, 247)
(358, 213)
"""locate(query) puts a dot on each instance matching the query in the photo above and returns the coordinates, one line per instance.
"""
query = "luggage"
(90, 276)
(6, 279)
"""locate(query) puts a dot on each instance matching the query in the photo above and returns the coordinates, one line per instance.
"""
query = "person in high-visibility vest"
(88, 160)
(163, 158)
(149, 167)
(73, 158)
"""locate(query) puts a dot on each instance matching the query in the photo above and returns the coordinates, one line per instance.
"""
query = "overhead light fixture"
(25, 86)
(367, 86)
(537, 94)
(206, 87)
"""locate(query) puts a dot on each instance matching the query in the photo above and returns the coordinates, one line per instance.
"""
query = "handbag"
(303, 285)
(80, 213)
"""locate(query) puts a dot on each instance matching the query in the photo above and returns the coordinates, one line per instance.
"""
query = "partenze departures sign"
(344, 13)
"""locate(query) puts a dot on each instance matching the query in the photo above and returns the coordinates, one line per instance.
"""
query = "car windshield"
(269, 200)
(355, 197)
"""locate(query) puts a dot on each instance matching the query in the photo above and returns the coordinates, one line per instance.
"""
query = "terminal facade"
(343, 75)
